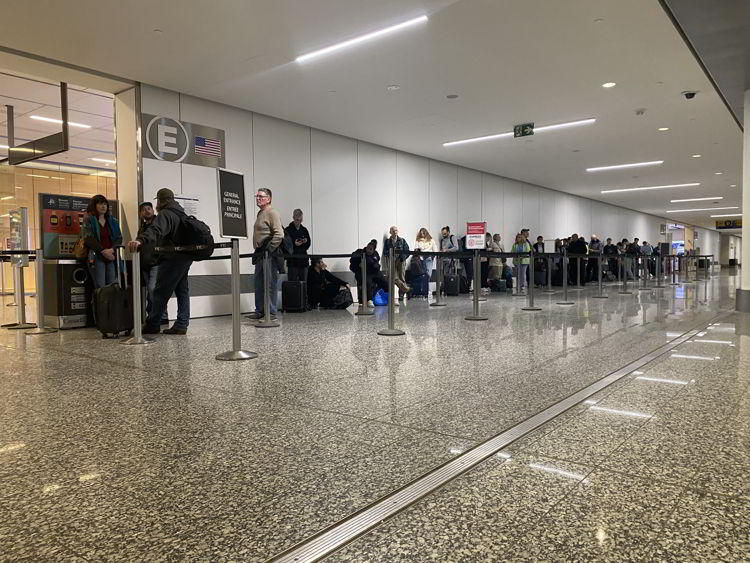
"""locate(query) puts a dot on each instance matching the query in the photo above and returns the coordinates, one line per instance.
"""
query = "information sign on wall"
(61, 222)
(168, 139)
(475, 235)
(729, 224)
(523, 130)
(232, 206)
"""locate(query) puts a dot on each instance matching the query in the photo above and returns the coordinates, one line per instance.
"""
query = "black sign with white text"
(232, 207)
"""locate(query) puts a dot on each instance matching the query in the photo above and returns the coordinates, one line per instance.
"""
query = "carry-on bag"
(450, 282)
(113, 303)
(294, 296)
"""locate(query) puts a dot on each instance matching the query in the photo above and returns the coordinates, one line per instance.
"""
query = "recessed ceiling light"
(732, 185)
(510, 133)
(7, 197)
(663, 128)
(452, 96)
(702, 209)
(4, 146)
(609, 85)
(696, 156)
(104, 160)
(728, 215)
(59, 121)
(652, 188)
(619, 166)
(360, 39)
(718, 173)
(695, 199)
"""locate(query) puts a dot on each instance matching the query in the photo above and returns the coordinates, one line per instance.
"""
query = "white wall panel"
(492, 203)
(376, 178)
(531, 210)
(282, 163)
(603, 219)
(412, 195)
(469, 197)
(332, 221)
(160, 174)
(549, 215)
(584, 218)
(158, 101)
(444, 198)
(512, 211)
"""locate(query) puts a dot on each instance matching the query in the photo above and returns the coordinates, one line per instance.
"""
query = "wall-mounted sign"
(61, 220)
(232, 207)
(189, 203)
(729, 224)
(19, 235)
(523, 130)
(168, 139)
(475, 235)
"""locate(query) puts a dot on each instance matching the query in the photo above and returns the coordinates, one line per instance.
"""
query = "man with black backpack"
(172, 227)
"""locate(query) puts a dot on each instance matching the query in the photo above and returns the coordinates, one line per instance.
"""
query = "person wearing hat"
(172, 275)
(149, 258)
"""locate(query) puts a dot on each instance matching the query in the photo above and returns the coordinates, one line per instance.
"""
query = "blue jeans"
(172, 277)
(102, 272)
(260, 289)
(150, 282)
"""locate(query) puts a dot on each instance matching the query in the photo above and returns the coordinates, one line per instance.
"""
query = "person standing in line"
(484, 264)
(611, 250)
(647, 251)
(300, 237)
(527, 237)
(448, 243)
(400, 255)
(495, 272)
(101, 236)
(267, 237)
(540, 264)
(595, 249)
(522, 263)
(149, 259)
(172, 276)
(426, 243)
(577, 246)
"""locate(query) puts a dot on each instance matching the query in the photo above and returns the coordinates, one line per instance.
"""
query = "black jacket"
(610, 249)
(296, 234)
(373, 263)
(149, 258)
(321, 287)
(400, 248)
(577, 247)
(166, 228)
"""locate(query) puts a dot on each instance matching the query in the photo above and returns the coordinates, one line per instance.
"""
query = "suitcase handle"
(122, 280)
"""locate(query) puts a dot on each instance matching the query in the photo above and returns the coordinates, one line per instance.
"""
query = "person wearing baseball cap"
(149, 258)
(172, 274)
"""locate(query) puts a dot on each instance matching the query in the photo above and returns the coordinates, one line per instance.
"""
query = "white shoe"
(370, 304)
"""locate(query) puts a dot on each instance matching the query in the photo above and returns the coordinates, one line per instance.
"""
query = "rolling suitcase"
(450, 282)
(113, 303)
(463, 284)
(294, 296)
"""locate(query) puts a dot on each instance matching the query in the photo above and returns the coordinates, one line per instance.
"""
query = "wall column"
(743, 293)
(129, 173)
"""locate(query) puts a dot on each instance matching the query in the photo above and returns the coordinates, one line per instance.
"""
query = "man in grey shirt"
(268, 235)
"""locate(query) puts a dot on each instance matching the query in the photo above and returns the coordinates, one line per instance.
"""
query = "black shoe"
(150, 330)
(175, 330)
(164, 322)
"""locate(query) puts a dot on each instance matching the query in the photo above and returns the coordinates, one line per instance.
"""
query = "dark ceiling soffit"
(63, 64)
(697, 56)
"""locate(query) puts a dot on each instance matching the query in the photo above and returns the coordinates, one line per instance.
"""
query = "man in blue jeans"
(268, 234)
(172, 276)
(149, 259)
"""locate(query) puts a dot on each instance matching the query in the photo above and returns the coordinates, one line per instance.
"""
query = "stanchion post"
(363, 308)
(549, 275)
(619, 269)
(599, 279)
(14, 280)
(137, 337)
(624, 290)
(579, 285)
(675, 264)
(530, 305)
(659, 273)
(644, 272)
(20, 299)
(475, 316)
(266, 321)
(565, 280)
(477, 280)
(438, 283)
(40, 328)
(2, 277)
(236, 353)
(391, 330)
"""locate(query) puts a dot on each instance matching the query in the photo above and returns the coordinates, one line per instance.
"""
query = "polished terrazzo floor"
(111, 452)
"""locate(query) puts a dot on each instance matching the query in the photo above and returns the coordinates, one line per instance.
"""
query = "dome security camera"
(689, 94)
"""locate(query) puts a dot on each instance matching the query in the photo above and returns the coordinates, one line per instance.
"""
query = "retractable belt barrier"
(19, 293)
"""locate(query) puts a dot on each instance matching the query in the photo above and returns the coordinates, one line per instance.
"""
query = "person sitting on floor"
(375, 278)
(322, 285)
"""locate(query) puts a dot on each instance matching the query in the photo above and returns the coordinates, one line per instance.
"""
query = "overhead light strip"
(728, 215)
(59, 121)
(695, 199)
(699, 209)
(104, 160)
(621, 166)
(510, 133)
(689, 185)
(361, 39)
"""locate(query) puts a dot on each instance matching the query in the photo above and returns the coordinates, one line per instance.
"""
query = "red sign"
(476, 228)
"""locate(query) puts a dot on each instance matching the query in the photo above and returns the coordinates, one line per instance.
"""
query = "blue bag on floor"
(380, 298)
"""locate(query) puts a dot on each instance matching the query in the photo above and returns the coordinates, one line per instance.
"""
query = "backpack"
(195, 232)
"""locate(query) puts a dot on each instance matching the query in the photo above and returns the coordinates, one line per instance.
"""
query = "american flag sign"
(208, 147)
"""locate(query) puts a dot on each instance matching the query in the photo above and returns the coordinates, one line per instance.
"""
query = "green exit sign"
(523, 130)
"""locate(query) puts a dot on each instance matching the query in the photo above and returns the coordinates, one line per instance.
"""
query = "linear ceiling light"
(695, 199)
(620, 166)
(59, 121)
(690, 185)
(702, 209)
(362, 38)
(728, 215)
(510, 133)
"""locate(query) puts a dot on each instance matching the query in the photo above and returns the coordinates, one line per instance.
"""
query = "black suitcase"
(113, 304)
(294, 296)
(450, 281)
(463, 284)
